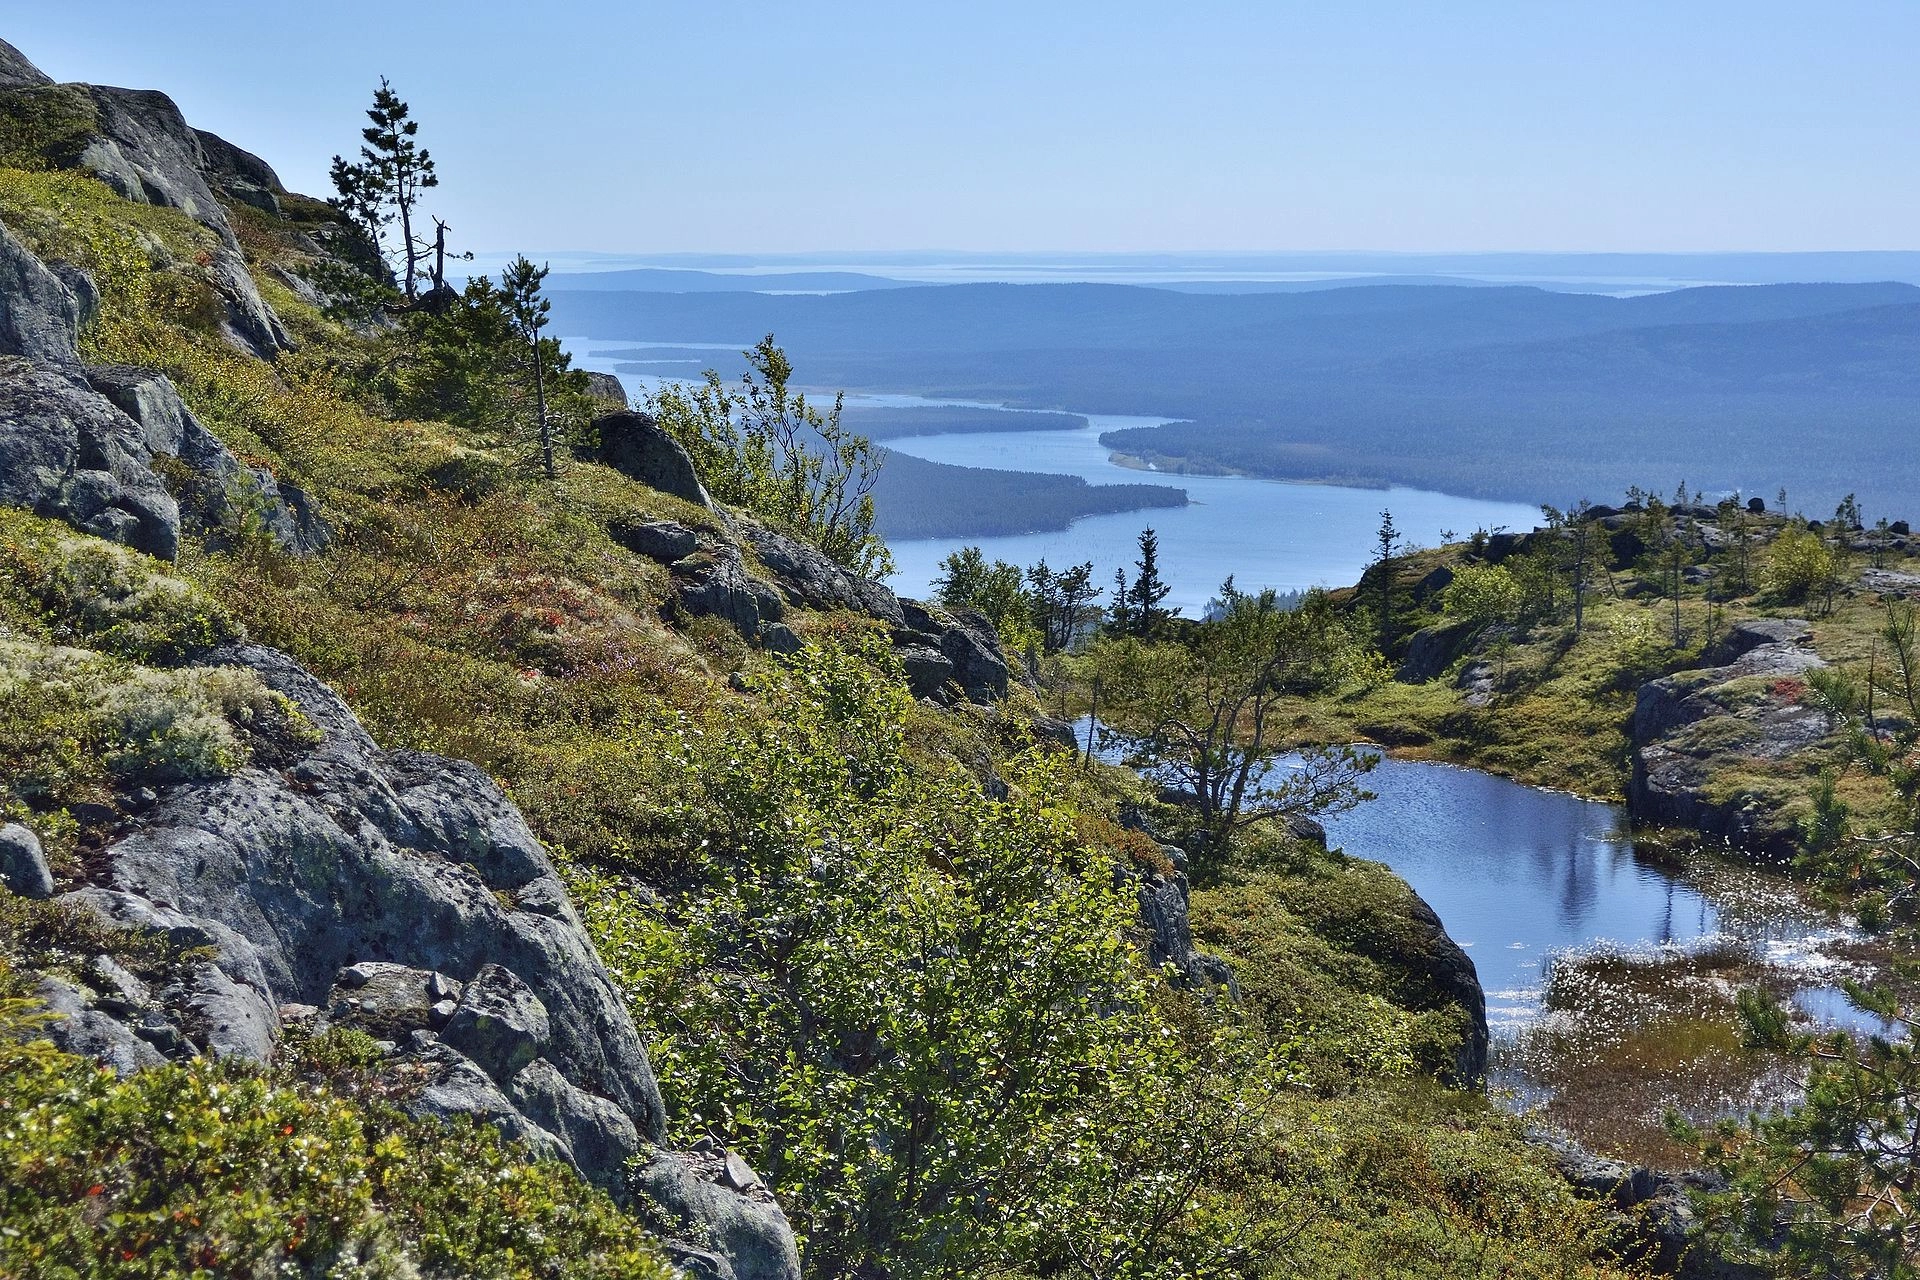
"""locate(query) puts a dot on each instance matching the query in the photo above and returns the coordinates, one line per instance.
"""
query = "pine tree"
(520, 285)
(1120, 612)
(1145, 596)
(385, 184)
(1386, 544)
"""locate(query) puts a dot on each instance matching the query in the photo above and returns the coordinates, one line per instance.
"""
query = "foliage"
(967, 581)
(218, 1169)
(767, 449)
(1484, 594)
(913, 1006)
(1200, 714)
(1800, 566)
(1826, 1186)
(1062, 603)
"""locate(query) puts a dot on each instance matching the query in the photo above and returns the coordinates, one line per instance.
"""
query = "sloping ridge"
(335, 883)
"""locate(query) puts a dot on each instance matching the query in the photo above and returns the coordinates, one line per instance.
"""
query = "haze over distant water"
(847, 271)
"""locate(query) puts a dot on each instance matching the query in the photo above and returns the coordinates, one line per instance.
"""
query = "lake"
(1267, 533)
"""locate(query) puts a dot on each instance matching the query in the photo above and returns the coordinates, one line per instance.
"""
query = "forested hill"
(1499, 392)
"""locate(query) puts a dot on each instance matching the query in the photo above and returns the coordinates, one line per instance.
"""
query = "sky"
(1067, 126)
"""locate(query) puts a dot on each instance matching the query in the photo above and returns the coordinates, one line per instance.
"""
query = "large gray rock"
(709, 1213)
(143, 149)
(1652, 1211)
(1431, 650)
(23, 865)
(714, 582)
(351, 854)
(499, 1023)
(604, 386)
(943, 651)
(39, 313)
(18, 73)
(239, 175)
(391, 879)
(68, 453)
(809, 578)
(147, 153)
(635, 445)
(662, 540)
(1447, 966)
(1744, 717)
(219, 494)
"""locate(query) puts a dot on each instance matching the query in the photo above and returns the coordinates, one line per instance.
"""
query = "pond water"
(1267, 533)
(1611, 965)
(1520, 875)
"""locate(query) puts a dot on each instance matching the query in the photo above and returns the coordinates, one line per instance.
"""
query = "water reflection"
(1519, 874)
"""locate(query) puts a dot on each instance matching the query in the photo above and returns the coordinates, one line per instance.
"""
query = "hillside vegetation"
(917, 993)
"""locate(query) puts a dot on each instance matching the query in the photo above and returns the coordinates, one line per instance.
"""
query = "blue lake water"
(1266, 533)
(1519, 874)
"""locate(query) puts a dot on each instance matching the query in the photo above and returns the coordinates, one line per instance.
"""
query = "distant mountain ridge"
(1506, 392)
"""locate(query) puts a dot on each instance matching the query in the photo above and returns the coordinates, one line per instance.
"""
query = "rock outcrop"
(39, 313)
(1741, 716)
(216, 493)
(83, 444)
(947, 655)
(1655, 1223)
(18, 73)
(401, 894)
(635, 445)
(139, 145)
(1446, 965)
(67, 453)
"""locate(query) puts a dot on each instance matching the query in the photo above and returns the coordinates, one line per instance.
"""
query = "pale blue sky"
(719, 125)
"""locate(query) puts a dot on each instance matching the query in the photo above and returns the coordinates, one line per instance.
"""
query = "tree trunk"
(540, 401)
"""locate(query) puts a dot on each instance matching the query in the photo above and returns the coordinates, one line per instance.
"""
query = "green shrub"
(218, 1169)
(71, 720)
(916, 1008)
(1800, 565)
(106, 596)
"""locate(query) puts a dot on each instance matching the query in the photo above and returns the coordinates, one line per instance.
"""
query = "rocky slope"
(1739, 714)
(329, 882)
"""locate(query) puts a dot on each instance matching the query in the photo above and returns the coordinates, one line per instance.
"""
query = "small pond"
(1611, 965)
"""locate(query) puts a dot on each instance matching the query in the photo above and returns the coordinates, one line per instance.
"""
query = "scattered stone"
(740, 1174)
(499, 1023)
(389, 1001)
(23, 864)
(633, 444)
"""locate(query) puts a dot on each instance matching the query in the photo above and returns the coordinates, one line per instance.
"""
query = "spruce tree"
(1145, 596)
(384, 185)
(520, 285)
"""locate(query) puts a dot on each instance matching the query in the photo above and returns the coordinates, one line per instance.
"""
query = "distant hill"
(1508, 392)
(660, 280)
(919, 499)
(932, 420)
